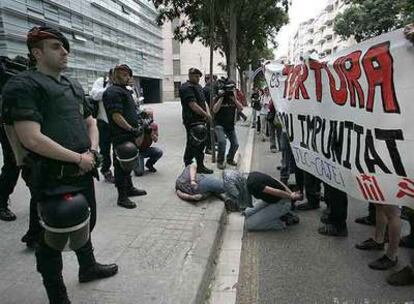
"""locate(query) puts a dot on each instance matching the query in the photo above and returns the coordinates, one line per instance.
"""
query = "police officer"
(194, 113)
(53, 122)
(125, 128)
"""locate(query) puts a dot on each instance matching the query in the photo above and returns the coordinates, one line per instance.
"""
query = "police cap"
(194, 71)
(37, 34)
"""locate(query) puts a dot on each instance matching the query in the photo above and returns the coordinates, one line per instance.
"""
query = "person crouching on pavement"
(125, 129)
(271, 212)
(225, 107)
(146, 150)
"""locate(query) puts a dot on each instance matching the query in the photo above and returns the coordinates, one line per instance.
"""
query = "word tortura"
(377, 65)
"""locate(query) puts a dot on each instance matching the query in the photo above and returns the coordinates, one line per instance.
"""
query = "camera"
(225, 87)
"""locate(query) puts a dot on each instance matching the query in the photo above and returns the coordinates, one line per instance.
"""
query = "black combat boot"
(123, 199)
(89, 269)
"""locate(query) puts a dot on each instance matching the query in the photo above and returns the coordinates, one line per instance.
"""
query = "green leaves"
(369, 18)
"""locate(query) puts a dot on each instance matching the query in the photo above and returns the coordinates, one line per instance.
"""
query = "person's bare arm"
(199, 110)
(92, 132)
(277, 192)
(31, 137)
(217, 104)
(121, 122)
(239, 106)
(193, 173)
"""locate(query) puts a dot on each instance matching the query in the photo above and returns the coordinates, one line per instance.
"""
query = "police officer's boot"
(56, 290)
(123, 199)
(89, 269)
(132, 191)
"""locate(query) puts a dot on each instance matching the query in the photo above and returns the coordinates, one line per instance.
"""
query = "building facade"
(102, 33)
(317, 36)
(180, 57)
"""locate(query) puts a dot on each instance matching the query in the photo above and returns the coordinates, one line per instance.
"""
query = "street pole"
(212, 135)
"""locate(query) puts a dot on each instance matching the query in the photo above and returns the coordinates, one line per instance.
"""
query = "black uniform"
(191, 92)
(9, 172)
(206, 91)
(118, 99)
(60, 108)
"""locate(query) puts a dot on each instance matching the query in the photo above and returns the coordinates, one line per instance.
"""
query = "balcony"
(328, 34)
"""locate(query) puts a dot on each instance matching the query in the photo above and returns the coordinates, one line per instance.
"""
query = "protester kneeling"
(193, 187)
(272, 210)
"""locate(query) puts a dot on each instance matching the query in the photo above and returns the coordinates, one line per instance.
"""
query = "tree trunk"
(232, 60)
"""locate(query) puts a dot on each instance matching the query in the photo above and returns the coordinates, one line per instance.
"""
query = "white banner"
(350, 117)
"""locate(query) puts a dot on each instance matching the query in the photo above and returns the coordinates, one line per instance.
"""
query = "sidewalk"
(165, 248)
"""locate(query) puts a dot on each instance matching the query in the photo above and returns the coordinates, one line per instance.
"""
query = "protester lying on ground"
(386, 215)
(272, 210)
(193, 187)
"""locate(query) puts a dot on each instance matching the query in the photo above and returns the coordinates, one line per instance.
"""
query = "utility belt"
(61, 170)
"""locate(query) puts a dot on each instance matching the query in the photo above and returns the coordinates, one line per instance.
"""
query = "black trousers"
(9, 172)
(123, 180)
(104, 145)
(312, 189)
(49, 261)
(337, 201)
(193, 151)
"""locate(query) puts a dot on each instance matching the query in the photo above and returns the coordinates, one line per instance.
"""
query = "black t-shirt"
(59, 107)
(256, 182)
(226, 115)
(191, 92)
(118, 99)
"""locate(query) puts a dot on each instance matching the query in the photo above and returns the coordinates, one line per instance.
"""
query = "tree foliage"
(369, 18)
(257, 23)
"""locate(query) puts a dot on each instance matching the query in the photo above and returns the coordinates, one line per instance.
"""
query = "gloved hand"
(98, 158)
(136, 132)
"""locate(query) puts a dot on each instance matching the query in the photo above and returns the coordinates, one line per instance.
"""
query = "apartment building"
(316, 35)
(180, 57)
(102, 33)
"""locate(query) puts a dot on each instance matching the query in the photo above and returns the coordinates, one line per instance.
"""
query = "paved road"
(163, 247)
(300, 266)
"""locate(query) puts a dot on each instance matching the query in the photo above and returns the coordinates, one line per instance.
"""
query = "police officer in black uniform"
(52, 121)
(125, 128)
(194, 113)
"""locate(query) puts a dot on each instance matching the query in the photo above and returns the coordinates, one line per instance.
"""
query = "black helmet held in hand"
(65, 218)
(127, 154)
(198, 133)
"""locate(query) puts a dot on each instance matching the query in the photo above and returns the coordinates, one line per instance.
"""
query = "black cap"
(195, 71)
(37, 34)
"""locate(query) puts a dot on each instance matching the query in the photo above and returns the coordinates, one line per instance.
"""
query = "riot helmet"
(127, 154)
(65, 218)
(198, 133)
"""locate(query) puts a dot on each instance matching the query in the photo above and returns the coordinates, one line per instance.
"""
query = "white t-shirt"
(265, 103)
(96, 93)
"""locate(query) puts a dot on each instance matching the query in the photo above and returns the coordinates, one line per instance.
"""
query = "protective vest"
(62, 107)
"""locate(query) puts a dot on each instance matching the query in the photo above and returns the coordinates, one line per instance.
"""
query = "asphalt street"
(298, 265)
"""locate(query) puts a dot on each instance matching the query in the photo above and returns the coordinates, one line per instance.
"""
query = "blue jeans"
(221, 134)
(210, 184)
(264, 216)
(152, 153)
(288, 161)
